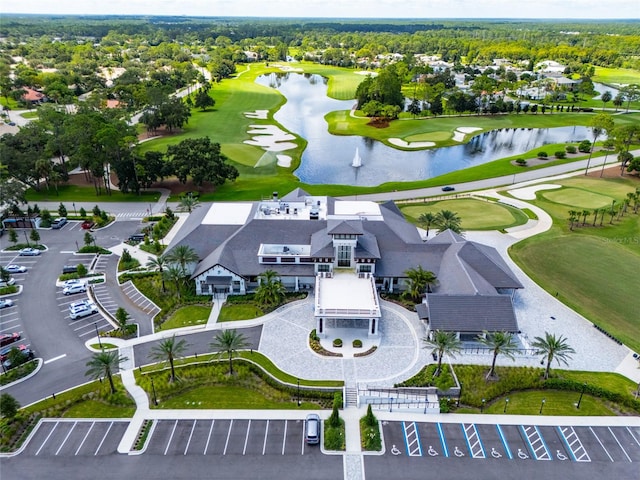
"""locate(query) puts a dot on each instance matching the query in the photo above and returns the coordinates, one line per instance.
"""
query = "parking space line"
(598, 439)
(66, 438)
(302, 440)
(85, 437)
(226, 444)
(473, 440)
(633, 436)
(171, 437)
(442, 441)
(536, 443)
(103, 439)
(46, 439)
(574, 445)
(284, 438)
(246, 438)
(504, 442)
(619, 444)
(206, 447)
(264, 443)
(412, 439)
(193, 427)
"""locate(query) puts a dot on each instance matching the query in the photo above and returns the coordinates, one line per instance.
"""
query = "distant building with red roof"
(33, 96)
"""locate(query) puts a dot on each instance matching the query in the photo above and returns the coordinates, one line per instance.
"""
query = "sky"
(418, 9)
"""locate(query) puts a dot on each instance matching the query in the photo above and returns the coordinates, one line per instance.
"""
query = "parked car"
(82, 309)
(29, 252)
(27, 354)
(312, 429)
(4, 352)
(59, 223)
(73, 281)
(137, 237)
(15, 268)
(448, 189)
(6, 303)
(75, 288)
(9, 338)
(70, 269)
(87, 225)
(7, 283)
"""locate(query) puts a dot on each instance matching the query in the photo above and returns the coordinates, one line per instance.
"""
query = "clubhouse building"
(347, 252)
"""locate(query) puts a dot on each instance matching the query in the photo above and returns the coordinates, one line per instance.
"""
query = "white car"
(6, 303)
(9, 282)
(74, 288)
(82, 309)
(15, 268)
(29, 252)
(73, 281)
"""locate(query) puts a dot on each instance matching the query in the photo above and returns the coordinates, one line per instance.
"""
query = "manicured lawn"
(240, 311)
(616, 75)
(593, 269)
(228, 397)
(187, 317)
(475, 214)
(95, 409)
(556, 403)
(76, 193)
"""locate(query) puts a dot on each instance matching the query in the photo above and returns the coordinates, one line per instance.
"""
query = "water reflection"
(328, 158)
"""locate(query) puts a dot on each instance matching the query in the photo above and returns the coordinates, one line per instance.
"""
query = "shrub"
(584, 146)
(81, 270)
(334, 438)
(357, 343)
(337, 400)
(542, 154)
(425, 378)
(560, 154)
(370, 432)
(337, 342)
(334, 418)
(370, 419)
(521, 161)
(570, 149)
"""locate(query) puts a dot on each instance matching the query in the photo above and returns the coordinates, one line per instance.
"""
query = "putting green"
(575, 197)
(429, 137)
(475, 214)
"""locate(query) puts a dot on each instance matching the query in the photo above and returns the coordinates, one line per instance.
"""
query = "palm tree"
(158, 263)
(572, 218)
(270, 291)
(585, 214)
(552, 347)
(174, 274)
(448, 220)
(419, 280)
(605, 97)
(103, 364)
(229, 341)
(442, 343)
(182, 255)
(427, 219)
(169, 350)
(500, 343)
(595, 215)
(188, 203)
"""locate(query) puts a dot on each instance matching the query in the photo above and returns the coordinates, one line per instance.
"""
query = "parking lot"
(76, 438)
(512, 442)
(229, 437)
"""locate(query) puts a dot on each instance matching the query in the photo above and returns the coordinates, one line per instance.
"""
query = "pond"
(329, 158)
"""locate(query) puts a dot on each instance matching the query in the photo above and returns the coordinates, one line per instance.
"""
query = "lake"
(328, 158)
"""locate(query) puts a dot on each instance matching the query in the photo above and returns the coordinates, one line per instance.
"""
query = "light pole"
(506, 404)
(584, 387)
(153, 389)
(74, 209)
(298, 392)
(26, 238)
(541, 406)
(482, 406)
(98, 334)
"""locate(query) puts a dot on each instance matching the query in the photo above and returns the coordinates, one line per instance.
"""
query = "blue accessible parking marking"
(473, 440)
(412, 439)
(536, 442)
(442, 441)
(504, 442)
(574, 445)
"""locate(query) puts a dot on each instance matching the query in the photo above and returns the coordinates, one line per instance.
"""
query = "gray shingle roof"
(471, 313)
(344, 227)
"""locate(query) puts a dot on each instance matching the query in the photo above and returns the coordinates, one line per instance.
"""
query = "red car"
(9, 338)
(87, 224)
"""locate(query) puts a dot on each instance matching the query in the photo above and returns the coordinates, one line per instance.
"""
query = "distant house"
(33, 97)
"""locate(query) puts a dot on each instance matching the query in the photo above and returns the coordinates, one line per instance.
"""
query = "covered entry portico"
(346, 300)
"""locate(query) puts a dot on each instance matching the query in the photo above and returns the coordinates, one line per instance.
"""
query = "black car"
(448, 189)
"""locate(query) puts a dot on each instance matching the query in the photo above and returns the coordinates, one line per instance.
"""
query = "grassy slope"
(594, 269)
(616, 75)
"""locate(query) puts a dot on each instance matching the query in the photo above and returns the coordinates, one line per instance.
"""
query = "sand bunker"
(259, 114)
(365, 72)
(529, 193)
(458, 135)
(398, 142)
(271, 138)
(284, 161)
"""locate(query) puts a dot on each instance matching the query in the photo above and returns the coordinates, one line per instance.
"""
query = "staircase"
(351, 397)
